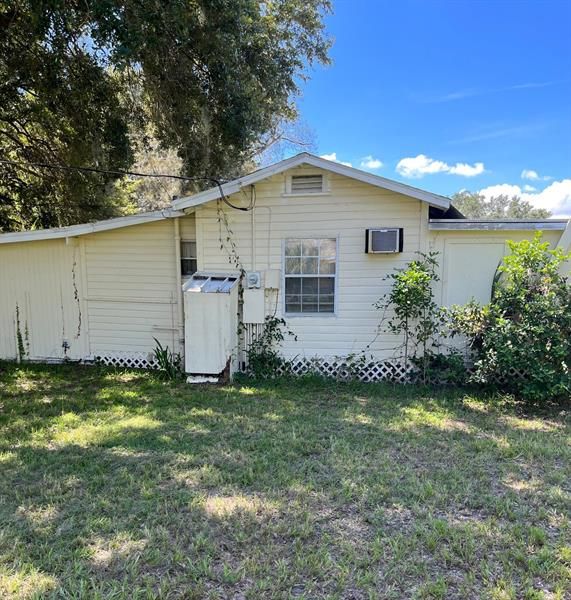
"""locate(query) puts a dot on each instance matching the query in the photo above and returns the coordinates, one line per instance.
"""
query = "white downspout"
(253, 225)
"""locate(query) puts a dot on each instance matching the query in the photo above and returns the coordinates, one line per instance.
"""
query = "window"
(306, 184)
(188, 258)
(310, 268)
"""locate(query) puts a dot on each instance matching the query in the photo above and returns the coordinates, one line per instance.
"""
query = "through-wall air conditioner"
(384, 241)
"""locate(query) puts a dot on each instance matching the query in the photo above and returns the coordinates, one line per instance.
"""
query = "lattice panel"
(249, 334)
(131, 360)
(394, 371)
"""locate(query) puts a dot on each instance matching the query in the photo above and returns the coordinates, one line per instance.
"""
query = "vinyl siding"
(131, 288)
(44, 279)
(188, 228)
(345, 213)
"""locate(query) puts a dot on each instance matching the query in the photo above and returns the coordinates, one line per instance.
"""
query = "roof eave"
(304, 158)
(87, 228)
(497, 224)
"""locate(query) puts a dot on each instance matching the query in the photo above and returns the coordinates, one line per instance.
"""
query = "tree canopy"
(212, 79)
(475, 206)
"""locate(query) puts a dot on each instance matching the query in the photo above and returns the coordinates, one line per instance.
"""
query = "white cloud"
(333, 157)
(534, 175)
(418, 166)
(556, 197)
(467, 170)
(368, 162)
(529, 188)
(529, 174)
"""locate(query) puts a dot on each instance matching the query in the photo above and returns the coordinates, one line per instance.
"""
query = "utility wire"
(71, 168)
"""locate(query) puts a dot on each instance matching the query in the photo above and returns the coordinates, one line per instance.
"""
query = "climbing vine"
(22, 341)
(264, 359)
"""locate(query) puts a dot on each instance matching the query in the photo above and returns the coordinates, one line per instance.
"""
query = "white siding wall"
(44, 279)
(345, 213)
(131, 288)
(468, 261)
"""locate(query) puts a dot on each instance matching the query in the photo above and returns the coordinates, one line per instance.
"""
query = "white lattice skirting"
(131, 360)
(393, 371)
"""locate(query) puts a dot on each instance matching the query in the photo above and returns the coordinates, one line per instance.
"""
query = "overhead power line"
(120, 173)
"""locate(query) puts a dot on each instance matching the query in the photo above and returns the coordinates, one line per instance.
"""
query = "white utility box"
(273, 279)
(254, 309)
(210, 323)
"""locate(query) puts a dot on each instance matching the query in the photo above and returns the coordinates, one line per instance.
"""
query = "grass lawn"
(116, 485)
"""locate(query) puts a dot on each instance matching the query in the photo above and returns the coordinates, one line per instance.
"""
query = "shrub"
(415, 314)
(522, 339)
(437, 368)
(264, 359)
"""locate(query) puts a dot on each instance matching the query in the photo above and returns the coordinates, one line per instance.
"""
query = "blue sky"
(450, 95)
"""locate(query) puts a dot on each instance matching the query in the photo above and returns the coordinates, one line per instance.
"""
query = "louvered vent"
(306, 184)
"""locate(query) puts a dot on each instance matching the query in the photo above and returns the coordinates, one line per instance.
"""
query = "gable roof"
(85, 228)
(231, 187)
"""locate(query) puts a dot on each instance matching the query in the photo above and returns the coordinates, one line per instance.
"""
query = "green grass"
(116, 485)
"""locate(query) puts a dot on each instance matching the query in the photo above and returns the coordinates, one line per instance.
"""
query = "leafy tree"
(213, 77)
(522, 339)
(476, 206)
(150, 157)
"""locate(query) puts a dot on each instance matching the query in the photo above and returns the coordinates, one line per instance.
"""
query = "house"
(315, 238)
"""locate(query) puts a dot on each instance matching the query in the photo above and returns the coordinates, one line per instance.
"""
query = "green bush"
(264, 358)
(522, 339)
(437, 368)
(413, 312)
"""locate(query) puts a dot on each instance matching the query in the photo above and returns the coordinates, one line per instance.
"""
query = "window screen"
(310, 271)
(306, 184)
(188, 265)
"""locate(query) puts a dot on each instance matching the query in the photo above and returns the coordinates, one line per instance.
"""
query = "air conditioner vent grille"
(384, 241)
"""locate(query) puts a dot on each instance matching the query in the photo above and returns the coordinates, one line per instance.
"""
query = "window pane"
(328, 248)
(309, 266)
(293, 285)
(326, 307)
(187, 266)
(310, 247)
(293, 266)
(292, 307)
(309, 304)
(188, 249)
(326, 285)
(293, 248)
(327, 266)
(309, 285)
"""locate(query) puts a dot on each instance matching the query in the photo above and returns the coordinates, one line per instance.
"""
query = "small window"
(310, 271)
(306, 184)
(188, 264)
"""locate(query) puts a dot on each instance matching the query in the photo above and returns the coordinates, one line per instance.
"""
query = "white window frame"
(301, 315)
(195, 257)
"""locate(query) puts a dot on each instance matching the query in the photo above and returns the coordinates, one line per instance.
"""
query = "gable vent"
(306, 184)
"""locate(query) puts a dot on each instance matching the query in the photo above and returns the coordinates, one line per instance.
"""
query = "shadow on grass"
(117, 484)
